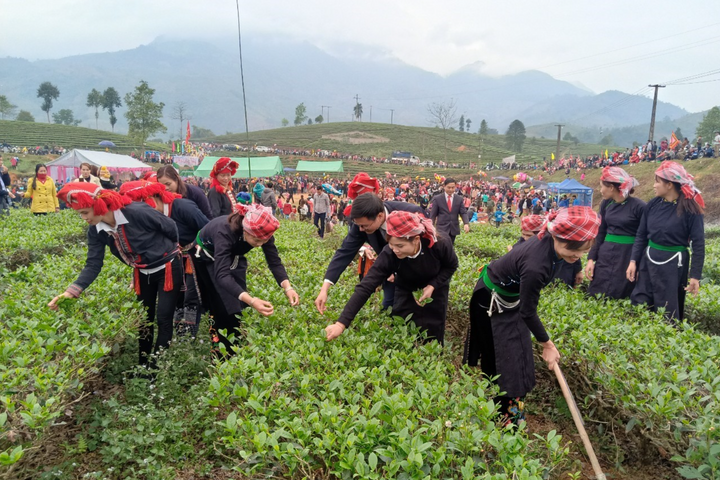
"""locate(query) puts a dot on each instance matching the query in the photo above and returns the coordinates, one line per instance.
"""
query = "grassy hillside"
(706, 172)
(426, 142)
(32, 134)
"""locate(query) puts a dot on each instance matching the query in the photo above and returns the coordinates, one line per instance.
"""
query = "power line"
(628, 47)
(242, 79)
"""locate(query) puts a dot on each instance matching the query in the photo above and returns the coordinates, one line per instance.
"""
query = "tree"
(111, 101)
(467, 125)
(300, 116)
(319, 119)
(65, 117)
(6, 108)
(143, 114)
(180, 112)
(309, 122)
(48, 92)
(358, 111)
(199, 132)
(24, 116)
(679, 134)
(483, 127)
(95, 100)
(515, 136)
(709, 125)
(285, 122)
(443, 115)
(462, 123)
(607, 140)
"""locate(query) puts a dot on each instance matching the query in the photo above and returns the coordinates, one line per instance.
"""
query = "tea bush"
(46, 356)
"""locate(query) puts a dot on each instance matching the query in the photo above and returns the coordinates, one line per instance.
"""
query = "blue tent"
(571, 186)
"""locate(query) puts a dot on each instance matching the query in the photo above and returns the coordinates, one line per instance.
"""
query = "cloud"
(440, 37)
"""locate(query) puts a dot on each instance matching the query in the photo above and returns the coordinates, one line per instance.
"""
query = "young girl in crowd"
(420, 259)
(620, 215)
(168, 176)
(189, 221)
(139, 236)
(221, 197)
(671, 224)
(221, 266)
(503, 308)
(43, 193)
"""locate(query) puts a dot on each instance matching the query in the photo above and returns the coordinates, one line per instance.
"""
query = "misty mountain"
(280, 74)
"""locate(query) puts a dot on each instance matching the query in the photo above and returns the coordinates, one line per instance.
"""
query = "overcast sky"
(605, 45)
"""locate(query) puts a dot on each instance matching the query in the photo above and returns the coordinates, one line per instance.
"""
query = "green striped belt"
(664, 248)
(200, 242)
(490, 285)
(623, 239)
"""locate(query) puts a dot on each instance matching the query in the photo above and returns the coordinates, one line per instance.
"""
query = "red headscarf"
(407, 224)
(674, 172)
(362, 183)
(223, 165)
(532, 223)
(258, 221)
(618, 175)
(151, 177)
(79, 195)
(143, 191)
(577, 224)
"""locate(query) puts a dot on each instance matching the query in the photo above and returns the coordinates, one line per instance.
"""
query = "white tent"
(67, 167)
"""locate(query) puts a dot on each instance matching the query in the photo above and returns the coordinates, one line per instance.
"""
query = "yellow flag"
(606, 153)
(552, 156)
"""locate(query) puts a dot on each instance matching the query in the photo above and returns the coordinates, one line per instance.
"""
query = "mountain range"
(279, 74)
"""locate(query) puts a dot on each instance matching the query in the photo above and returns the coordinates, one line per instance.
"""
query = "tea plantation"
(373, 404)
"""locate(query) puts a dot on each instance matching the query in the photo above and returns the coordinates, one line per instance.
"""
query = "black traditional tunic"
(502, 341)
(220, 204)
(611, 258)
(222, 265)
(565, 272)
(433, 266)
(663, 275)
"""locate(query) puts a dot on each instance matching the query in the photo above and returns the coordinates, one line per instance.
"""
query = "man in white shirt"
(321, 203)
(716, 144)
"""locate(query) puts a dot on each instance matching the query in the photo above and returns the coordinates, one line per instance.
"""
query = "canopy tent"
(571, 186)
(307, 166)
(67, 167)
(259, 167)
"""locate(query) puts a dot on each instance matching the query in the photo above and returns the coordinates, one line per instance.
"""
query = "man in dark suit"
(445, 209)
(366, 225)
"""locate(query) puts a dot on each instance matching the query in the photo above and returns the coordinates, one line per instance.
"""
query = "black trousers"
(160, 307)
(320, 217)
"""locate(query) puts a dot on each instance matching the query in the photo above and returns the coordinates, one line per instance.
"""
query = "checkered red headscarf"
(223, 165)
(143, 191)
(407, 224)
(674, 172)
(362, 183)
(258, 221)
(577, 224)
(79, 195)
(532, 223)
(620, 176)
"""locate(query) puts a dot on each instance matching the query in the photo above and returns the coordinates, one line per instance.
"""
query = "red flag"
(173, 147)
(187, 136)
(674, 142)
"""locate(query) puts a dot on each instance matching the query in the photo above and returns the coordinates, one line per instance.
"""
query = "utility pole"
(323, 107)
(392, 112)
(370, 113)
(557, 149)
(652, 118)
